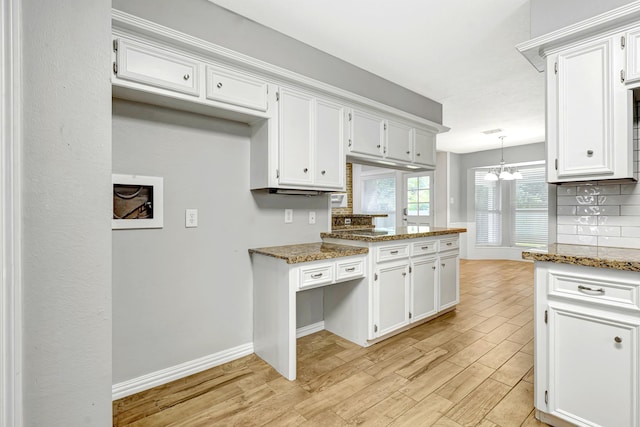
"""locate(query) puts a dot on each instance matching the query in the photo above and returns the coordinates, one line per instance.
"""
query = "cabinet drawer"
(156, 67)
(316, 275)
(594, 290)
(449, 244)
(236, 88)
(352, 269)
(424, 248)
(391, 252)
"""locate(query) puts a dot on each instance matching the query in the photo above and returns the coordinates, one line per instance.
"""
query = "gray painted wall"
(457, 178)
(551, 15)
(66, 189)
(460, 170)
(180, 294)
(210, 22)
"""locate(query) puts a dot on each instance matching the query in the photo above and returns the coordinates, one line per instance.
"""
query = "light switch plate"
(191, 218)
(312, 217)
(288, 216)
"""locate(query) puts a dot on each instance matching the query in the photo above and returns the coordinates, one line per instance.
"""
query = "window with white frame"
(378, 195)
(512, 213)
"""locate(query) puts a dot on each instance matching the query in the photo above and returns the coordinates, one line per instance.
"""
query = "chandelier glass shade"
(502, 172)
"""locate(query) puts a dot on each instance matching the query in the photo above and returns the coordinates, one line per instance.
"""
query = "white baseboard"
(164, 376)
(310, 329)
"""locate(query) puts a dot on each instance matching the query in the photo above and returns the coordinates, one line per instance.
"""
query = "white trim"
(310, 329)
(10, 145)
(122, 21)
(534, 49)
(173, 373)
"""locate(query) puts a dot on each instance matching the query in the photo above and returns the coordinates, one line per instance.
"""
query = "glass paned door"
(418, 196)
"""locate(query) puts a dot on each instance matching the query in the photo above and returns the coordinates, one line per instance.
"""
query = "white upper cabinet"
(399, 141)
(632, 40)
(329, 166)
(236, 88)
(311, 136)
(588, 113)
(425, 148)
(156, 67)
(367, 133)
(296, 114)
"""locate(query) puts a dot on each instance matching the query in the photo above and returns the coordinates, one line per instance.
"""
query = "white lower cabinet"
(424, 289)
(449, 266)
(391, 297)
(586, 347)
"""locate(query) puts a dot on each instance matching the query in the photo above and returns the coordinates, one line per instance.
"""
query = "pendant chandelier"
(502, 173)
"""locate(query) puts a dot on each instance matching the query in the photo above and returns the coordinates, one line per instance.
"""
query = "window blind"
(530, 208)
(488, 210)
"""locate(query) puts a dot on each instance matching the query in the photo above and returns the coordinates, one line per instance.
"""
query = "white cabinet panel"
(633, 56)
(367, 133)
(593, 368)
(296, 133)
(449, 294)
(589, 114)
(329, 142)
(236, 88)
(157, 67)
(399, 141)
(425, 148)
(390, 298)
(423, 288)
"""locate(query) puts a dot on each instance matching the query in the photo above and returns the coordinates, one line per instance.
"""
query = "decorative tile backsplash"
(600, 213)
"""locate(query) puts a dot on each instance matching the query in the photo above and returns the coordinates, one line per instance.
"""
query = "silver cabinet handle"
(589, 153)
(350, 269)
(424, 248)
(186, 77)
(316, 275)
(393, 252)
(449, 244)
(618, 340)
(219, 85)
(588, 289)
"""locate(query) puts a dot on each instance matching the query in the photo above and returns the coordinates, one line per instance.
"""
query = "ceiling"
(460, 53)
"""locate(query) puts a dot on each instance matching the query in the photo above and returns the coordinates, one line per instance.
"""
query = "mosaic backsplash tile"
(599, 213)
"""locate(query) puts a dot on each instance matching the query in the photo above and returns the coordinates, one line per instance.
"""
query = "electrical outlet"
(191, 218)
(288, 216)
(347, 221)
(312, 217)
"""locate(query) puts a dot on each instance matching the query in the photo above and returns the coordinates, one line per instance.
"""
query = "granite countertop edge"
(384, 238)
(307, 252)
(630, 261)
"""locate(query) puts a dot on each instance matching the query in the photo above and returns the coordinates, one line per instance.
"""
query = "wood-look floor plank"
(470, 366)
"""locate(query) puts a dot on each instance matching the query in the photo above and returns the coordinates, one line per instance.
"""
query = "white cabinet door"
(236, 88)
(399, 141)
(330, 161)
(425, 148)
(157, 67)
(593, 367)
(390, 297)
(588, 113)
(423, 288)
(367, 134)
(633, 56)
(449, 292)
(296, 133)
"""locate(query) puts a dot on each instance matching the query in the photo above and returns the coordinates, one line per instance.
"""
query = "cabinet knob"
(443, 265)
(378, 145)
(618, 340)
(305, 170)
(219, 85)
(408, 152)
(418, 154)
(186, 77)
(589, 153)
(323, 172)
(433, 268)
(349, 143)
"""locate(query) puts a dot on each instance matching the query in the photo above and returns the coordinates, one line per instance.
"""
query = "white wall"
(181, 294)
(66, 190)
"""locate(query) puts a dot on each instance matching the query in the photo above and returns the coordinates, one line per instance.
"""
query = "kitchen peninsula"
(376, 283)
(587, 320)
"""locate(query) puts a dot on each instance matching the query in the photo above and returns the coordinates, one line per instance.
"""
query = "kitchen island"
(587, 335)
(374, 286)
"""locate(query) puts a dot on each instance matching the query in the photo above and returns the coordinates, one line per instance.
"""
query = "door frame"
(10, 228)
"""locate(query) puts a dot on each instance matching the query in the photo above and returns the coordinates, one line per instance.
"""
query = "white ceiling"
(460, 53)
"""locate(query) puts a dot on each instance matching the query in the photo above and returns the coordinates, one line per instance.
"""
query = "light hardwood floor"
(471, 367)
